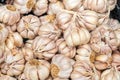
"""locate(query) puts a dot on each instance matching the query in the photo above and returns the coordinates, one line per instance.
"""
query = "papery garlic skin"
(72, 4)
(40, 7)
(6, 77)
(12, 28)
(3, 33)
(24, 6)
(49, 30)
(55, 8)
(14, 40)
(9, 14)
(112, 4)
(14, 62)
(64, 49)
(110, 74)
(61, 66)
(2, 52)
(44, 47)
(100, 6)
(34, 69)
(76, 36)
(28, 44)
(28, 26)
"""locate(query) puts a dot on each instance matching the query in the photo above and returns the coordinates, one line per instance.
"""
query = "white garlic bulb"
(110, 74)
(75, 36)
(40, 7)
(44, 47)
(37, 70)
(28, 26)
(6, 77)
(64, 49)
(14, 62)
(49, 30)
(24, 6)
(100, 6)
(72, 4)
(9, 14)
(55, 8)
(61, 66)
(3, 33)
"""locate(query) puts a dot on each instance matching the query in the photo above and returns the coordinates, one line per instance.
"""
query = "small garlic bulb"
(24, 6)
(75, 36)
(3, 33)
(64, 49)
(82, 70)
(37, 70)
(40, 7)
(88, 19)
(55, 8)
(72, 4)
(7, 77)
(14, 40)
(49, 30)
(44, 47)
(110, 74)
(100, 6)
(9, 14)
(61, 66)
(14, 62)
(28, 26)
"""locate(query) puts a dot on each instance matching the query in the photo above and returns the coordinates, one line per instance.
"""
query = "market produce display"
(59, 40)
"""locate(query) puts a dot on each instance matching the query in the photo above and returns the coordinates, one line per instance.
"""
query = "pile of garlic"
(59, 40)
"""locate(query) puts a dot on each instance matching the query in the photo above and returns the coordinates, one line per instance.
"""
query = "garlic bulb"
(6, 77)
(75, 36)
(100, 6)
(40, 7)
(88, 19)
(61, 66)
(64, 49)
(28, 53)
(14, 40)
(112, 4)
(49, 30)
(44, 47)
(55, 8)
(9, 14)
(72, 4)
(28, 26)
(24, 6)
(14, 62)
(3, 33)
(110, 74)
(84, 71)
(36, 69)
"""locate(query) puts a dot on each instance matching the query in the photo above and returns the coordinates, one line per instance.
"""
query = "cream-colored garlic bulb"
(2, 52)
(14, 62)
(112, 4)
(24, 6)
(63, 19)
(37, 70)
(88, 19)
(3, 33)
(9, 14)
(61, 66)
(75, 36)
(44, 47)
(100, 6)
(82, 70)
(55, 8)
(28, 53)
(49, 30)
(28, 26)
(40, 7)
(14, 40)
(6, 77)
(72, 4)
(64, 49)
(110, 74)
